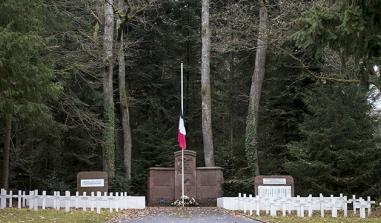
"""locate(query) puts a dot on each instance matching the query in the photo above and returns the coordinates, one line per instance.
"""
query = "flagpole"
(182, 149)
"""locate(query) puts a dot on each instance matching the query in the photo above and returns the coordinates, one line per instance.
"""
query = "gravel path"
(185, 215)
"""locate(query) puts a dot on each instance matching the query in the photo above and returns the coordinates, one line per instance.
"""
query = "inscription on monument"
(274, 186)
(92, 181)
(274, 181)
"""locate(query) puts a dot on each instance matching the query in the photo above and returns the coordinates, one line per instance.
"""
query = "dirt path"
(183, 215)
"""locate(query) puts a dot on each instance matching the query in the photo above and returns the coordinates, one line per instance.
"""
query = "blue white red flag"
(181, 134)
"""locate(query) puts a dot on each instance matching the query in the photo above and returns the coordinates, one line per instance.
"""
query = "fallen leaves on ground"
(179, 212)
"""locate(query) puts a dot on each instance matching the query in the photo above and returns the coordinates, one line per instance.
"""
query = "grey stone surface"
(187, 215)
(189, 219)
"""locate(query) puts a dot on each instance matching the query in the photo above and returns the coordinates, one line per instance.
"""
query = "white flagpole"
(182, 149)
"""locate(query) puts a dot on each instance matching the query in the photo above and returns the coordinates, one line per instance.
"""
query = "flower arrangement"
(188, 202)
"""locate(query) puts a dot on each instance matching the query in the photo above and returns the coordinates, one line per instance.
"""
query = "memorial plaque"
(274, 186)
(274, 181)
(92, 181)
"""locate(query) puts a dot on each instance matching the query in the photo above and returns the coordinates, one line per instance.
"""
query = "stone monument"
(189, 174)
(274, 186)
(92, 181)
(202, 183)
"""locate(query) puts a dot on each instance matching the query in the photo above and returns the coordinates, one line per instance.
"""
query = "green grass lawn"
(43, 216)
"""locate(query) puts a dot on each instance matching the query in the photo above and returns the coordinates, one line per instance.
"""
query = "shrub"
(232, 187)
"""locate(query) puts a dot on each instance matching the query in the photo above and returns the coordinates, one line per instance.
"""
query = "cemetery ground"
(51, 215)
(374, 218)
(191, 214)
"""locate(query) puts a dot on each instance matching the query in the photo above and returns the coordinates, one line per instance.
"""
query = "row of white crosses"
(271, 205)
(362, 204)
(93, 202)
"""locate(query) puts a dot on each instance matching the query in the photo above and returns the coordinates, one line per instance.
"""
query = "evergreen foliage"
(337, 140)
(282, 111)
(25, 77)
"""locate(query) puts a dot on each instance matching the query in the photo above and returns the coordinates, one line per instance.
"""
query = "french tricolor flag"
(181, 134)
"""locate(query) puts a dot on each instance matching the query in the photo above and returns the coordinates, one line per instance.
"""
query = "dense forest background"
(318, 113)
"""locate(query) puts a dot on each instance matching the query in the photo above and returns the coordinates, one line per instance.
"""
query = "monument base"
(202, 183)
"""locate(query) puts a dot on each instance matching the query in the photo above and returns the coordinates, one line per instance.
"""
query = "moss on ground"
(43, 216)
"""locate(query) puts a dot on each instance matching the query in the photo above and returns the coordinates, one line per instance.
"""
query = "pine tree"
(349, 28)
(337, 140)
(26, 79)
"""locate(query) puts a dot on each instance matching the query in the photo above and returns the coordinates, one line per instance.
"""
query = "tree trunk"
(205, 87)
(6, 151)
(124, 110)
(231, 102)
(251, 137)
(109, 116)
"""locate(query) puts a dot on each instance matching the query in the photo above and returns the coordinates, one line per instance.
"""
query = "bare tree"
(251, 137)
(109, 115)
(206, 105)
